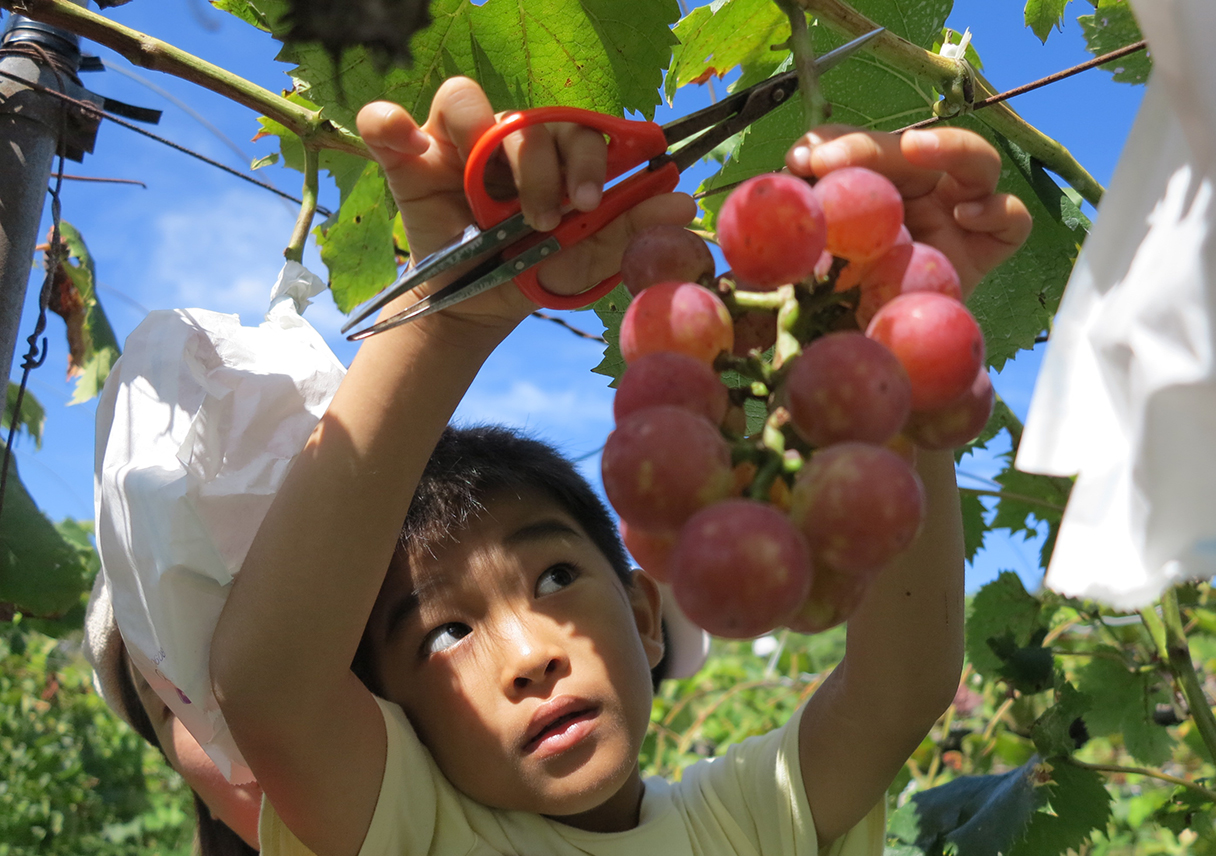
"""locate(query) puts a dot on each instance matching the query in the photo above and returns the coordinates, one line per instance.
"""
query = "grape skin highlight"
(938, 341)
(676, 316)
(845, 386)
(772, 231)
(740, 568)
(859, 506)
(662, 464)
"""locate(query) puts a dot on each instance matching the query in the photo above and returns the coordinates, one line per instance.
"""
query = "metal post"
(32, 124)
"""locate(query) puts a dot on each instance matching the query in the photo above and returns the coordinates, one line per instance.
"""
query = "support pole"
(31, 126)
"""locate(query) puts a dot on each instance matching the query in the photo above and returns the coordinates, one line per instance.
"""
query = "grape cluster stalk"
(853, 339)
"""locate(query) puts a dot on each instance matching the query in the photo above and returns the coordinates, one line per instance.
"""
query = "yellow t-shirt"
(749, 802)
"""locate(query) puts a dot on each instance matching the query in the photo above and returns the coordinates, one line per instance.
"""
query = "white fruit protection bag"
(197, 426)
(1126, 398)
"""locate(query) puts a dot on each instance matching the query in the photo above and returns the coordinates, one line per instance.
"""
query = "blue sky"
(199, 238)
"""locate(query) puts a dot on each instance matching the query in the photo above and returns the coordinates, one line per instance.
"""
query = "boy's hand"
(425, 170)
(948, 179)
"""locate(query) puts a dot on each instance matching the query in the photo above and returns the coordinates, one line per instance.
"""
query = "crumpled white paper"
(1126, 398)
(197, 425)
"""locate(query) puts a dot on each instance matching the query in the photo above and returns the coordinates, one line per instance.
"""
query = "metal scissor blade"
(728, 113)
(470, 244)
(489, 274)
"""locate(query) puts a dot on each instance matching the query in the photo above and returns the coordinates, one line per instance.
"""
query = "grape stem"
(1183, 668)
(308, 207)
(770, 300)
(814, 105)
(788, 345)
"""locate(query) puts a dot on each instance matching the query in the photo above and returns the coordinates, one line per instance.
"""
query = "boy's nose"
(535, 659)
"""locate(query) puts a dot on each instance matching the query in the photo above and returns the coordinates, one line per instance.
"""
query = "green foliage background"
(1070, 731)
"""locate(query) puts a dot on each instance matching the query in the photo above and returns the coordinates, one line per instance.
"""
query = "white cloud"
(220, 253)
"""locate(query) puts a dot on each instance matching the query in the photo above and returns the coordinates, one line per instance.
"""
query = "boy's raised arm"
(905, 641)
(281, 654)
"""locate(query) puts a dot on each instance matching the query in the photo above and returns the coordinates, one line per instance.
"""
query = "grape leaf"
(595, 54)
(1055, 731)
(715, 39)
(357, 243)
(1079, 804)
(1044, 15)
(974, 526)
(1003, 615)
(611, 310)
(1123, 703)
(1111, 27)
(975, 815)
(32, 417)
(1027, 499)
(41, 573)
(92, 345)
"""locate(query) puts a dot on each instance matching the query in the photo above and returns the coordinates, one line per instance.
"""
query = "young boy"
(513, 657)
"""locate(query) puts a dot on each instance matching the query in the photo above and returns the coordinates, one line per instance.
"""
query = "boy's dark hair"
(470, 464)
(213, 837)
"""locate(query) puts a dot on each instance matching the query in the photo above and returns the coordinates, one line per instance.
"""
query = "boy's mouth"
(559, 724)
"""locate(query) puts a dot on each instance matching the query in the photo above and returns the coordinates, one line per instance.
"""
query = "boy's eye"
(555, 579)
(443, 637)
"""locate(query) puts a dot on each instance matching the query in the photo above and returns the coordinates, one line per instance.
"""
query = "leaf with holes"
(1113, 26)
(1079, 806)
(357, 243)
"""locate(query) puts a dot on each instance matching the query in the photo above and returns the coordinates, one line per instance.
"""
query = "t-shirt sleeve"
(756, 793)
(418, 811)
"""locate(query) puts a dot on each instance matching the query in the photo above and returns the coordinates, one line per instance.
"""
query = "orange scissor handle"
(630, 144)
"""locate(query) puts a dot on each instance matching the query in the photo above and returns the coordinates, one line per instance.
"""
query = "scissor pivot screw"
(779, 95)
(502, 233)
(519, 265)
(544, 251)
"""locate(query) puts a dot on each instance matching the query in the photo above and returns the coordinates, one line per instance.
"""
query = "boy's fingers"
(971, 164)
(537, 171)
(460, 114)
(390, 132)
(832, 147)
(1003, 216)
(584, 155)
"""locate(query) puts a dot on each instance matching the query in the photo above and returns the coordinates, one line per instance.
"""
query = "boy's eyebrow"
(541, 530)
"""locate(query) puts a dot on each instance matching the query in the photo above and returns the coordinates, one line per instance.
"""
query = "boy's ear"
(647, 603)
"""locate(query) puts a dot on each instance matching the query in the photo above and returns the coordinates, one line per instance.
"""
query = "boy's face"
(523, 662)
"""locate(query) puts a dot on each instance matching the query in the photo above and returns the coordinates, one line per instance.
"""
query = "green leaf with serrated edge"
(611, 310)
(977, 815)
(1080, 804)
(32, 418)
(40, 572)
(974, 526)
(1053, 732)
(596, 54)
(1110, 28)
(1123, 703)
(1026, 500)
(1060, 203)
(1002, 610)
(1044, 15)
(100, 344)
(715, 39)
(357, 244)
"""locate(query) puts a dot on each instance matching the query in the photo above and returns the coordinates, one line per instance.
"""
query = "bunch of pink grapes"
(787, 526)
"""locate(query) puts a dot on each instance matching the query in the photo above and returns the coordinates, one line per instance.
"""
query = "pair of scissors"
(513, 248)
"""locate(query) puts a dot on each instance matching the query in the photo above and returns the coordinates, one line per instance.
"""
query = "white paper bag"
(1126, 397)
(197, 425)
